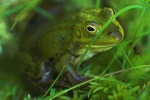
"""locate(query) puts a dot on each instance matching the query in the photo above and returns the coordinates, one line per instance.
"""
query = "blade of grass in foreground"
(98, 3)
(1, 51)
(30, 6)
(105, 25)
(11, 11)
(44, 13)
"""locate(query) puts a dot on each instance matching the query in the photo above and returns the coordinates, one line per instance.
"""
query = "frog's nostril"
(117, 27)
(115, 34)
(110, 33)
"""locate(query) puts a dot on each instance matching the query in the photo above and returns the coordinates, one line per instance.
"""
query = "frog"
(63, 42)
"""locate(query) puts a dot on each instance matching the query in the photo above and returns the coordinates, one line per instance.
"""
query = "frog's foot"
(68, 80)
(73, 77)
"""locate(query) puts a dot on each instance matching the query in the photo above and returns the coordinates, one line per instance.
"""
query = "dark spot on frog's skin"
(76, 56)
(117, 27)
(56, 54)
(47, 64)
(51, 59)
(62, 38)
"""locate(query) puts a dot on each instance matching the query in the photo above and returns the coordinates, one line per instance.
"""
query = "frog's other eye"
(91, 28)
(114, 12)
(108, 12)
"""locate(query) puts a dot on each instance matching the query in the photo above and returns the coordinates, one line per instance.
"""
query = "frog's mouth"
(94, 49)
(98, 48)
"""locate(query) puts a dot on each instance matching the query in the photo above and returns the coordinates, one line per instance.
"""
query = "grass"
(126, 75)
(29, 6)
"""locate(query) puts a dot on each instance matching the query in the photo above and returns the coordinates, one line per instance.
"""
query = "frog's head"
(89, 21)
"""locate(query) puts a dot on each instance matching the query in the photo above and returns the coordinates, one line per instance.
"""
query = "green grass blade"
(98, 3)
(11, 11)
(1, 50)
(30, 6)
(44, 13)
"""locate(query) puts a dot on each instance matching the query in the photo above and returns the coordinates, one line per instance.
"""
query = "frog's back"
(54, 41)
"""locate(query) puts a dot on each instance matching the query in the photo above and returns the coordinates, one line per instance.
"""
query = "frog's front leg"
(70, 70)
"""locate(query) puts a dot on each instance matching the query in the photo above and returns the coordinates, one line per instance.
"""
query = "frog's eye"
(91, 28)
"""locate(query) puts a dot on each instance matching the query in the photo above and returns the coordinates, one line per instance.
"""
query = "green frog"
(64, 42)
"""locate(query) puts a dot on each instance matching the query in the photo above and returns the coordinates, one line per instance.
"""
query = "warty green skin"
(66, 40)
